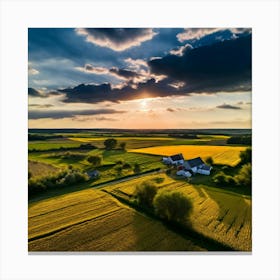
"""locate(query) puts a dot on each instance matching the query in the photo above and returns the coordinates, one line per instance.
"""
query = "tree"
(94, 160)
(209, 160)
(145, 193)
(137, 168)
(246, 156)
(244, 177)
(110, 143)
(123, 145)
(172, 206)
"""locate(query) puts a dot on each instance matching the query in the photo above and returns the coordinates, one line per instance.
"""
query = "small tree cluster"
(94, 160)
(168, 205)
(110, 144)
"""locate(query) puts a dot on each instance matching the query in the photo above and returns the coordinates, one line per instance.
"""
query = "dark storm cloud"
(104, 92)
(40, 105)
(124, 74)
(228, 107)
(117, 39)
(59, 114)
(223, 66)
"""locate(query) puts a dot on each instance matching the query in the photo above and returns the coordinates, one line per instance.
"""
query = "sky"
(139, 78)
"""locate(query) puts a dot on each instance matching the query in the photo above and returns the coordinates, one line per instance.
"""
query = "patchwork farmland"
(100, 214)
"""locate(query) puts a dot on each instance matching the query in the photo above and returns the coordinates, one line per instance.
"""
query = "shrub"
(137, 168)
(172, 206)
(110, 143)
(223, 180)
(145, 193)
(61, 179)
(122, 146)
(94, 160)
(246, 156)
(126, 166)
(209, 160)
(244, 177)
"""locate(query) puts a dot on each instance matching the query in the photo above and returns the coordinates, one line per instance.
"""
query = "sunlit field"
(220, 154)
(92, 220)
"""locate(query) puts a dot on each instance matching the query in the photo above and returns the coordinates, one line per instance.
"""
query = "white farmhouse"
(196, 165)
(174, 160)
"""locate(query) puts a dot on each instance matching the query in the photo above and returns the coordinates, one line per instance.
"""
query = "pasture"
(221, 154)
(91, 220)
(218, 214)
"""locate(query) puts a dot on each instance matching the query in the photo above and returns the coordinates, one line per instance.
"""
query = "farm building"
(175, 159)
(197, 165)
(93, 174)
(184, 173)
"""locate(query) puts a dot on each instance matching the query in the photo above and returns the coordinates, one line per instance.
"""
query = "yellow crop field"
(92, 220)
(220, 154)
(218, 214)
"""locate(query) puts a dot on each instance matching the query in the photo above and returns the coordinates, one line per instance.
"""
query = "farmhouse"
(188, 167)
(197, 165)
(175, 159)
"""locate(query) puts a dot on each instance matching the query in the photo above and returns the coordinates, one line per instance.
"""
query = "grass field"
(91, 220)
(39, 169)
(221, 215)
(220, 154)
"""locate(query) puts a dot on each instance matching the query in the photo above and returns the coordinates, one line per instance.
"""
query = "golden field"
(218, 214)
(91, 220)
(221, 154)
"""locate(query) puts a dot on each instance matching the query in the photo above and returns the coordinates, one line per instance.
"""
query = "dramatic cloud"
(198, 33)
(60, 114)
(117, 39)
(181, 50)
(136, 64)
(223, 66)
(228, 107)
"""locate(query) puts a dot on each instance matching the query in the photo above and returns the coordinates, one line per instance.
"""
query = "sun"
(143, 105)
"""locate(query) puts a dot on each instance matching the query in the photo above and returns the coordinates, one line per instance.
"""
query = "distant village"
(187, 168)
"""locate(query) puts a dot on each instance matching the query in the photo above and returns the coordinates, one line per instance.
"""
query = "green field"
(92, 220)
(221, 215)
(220, 154)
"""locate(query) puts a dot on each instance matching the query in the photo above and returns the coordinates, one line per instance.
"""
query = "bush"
(158, 180)
(61, 179)
(172, 206)
(126, 166)
(94, 160)
(244, 177)
(223, 180)
(246, 156)
(137, 168)
(209, 161)
(110, 143)
(122, 146)
(145, 193)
